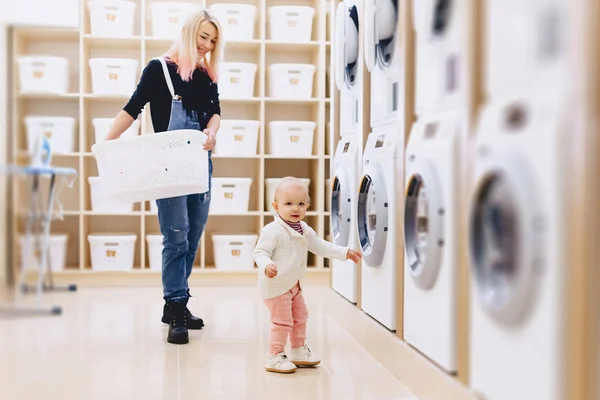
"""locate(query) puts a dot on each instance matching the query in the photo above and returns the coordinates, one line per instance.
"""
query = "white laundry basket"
(112, 17)
(113, 76)
(234, 252)
(237, 20)
(155, 248)
(154, 166)
(168, 17)
(58, 252)
(103, 125)
(291, 138)
(237, 80)
(291, 81)
(60, 131)
(103, 202)
(291, 23)
(270, 184)
(44, 74)
(237, 138)
(112, 252)
(230, 195)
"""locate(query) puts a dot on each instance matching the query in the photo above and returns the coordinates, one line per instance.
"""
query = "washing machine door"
(506, 238)
(381, 22)
(372, 214)
(423, 223)
(341, 222)
(346, 52)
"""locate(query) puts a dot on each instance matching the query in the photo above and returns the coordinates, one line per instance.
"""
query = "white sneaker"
(280, 363)
(303, 356)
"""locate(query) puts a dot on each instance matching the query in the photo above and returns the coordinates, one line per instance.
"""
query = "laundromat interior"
(452, 144)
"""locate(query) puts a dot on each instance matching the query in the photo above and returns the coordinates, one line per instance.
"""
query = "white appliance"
(441, 59)
(376, 221)
(525, 41)
(518, 207)
(348, 66)
(382, 53)
(433, 182)
(517, 249)
(344, 194)
(431, 238)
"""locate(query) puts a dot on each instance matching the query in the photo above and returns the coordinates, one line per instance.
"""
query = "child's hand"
(353, 255)
(271, 271)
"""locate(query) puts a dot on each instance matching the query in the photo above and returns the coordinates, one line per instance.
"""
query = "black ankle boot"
(192, 322)
(178, 330)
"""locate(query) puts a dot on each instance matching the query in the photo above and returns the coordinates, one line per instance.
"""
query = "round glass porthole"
(495, 240)
(340, 211)
(386, 23)
(423, 224)
(416, 223)
(351, 45)
(372, 216)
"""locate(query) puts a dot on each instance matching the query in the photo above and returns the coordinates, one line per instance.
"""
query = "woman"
(183, 94)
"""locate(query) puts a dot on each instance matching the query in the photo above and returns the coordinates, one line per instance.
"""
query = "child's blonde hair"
(184, 52)
(287, 181)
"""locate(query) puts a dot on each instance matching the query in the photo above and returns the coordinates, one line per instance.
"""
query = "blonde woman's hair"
(184, 51)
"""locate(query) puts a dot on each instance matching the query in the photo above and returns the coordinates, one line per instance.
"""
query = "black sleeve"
(146, 88)
(215, 104)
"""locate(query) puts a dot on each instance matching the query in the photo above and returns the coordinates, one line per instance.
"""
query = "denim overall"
(182, 219)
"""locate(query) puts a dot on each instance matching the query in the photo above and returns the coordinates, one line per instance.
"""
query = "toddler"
(281, 253)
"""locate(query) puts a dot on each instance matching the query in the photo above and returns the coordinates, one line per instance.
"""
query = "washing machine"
(378, 191)
(517, 248)
(348, 66)
(441, 43)
(383, 59)
(344, 196)
(431, 238)
(527, 39)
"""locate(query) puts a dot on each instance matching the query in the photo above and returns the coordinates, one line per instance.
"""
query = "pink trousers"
(288, 317)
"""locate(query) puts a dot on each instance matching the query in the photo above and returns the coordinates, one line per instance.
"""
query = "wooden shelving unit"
(79, 45)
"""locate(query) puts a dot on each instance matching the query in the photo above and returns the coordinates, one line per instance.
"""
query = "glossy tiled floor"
(110, 344)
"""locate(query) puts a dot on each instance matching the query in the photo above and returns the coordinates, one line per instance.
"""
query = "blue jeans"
(182, 220)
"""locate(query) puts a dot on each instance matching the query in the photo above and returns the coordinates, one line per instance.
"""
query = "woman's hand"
(353, 255)
(211, 140)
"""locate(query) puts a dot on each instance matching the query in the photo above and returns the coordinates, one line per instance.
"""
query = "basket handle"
(111, 244)
(234, 70)
(236, 243)
(232, 12)
(111, 7)
(228, 185)
(292, 14)
(294, 129)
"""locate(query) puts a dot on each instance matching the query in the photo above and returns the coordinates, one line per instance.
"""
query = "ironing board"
(37, 234)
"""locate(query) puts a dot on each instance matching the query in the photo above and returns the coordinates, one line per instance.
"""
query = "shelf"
(79, 220)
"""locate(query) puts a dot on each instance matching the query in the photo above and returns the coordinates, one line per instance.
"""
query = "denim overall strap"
(182, 219)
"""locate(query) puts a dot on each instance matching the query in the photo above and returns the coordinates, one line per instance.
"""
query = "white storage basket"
(60, 131)
(236, 80)
(237, 138)
(291, 81)
(237, 20)
(234, 252)
(155, 249)
(291, 138)
(112, 17)
(291, 23)
(112, 252)
(113, 76)
(153, 206)
(154, 166)
(103, 125)
(103, 202)
(58, 252)
(230, 195)
(168, 17)
(44, 74)
(270, 185)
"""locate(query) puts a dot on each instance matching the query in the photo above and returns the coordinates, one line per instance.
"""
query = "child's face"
(292, 202)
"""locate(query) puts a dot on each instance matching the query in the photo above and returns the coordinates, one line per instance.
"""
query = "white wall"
(60, 13)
